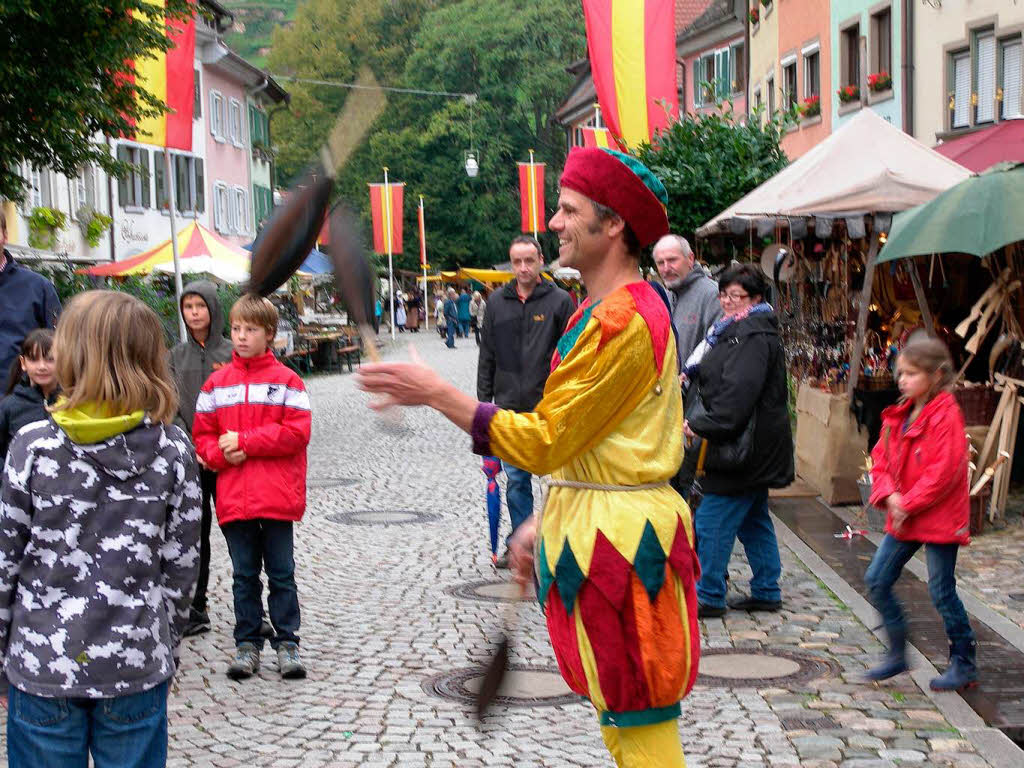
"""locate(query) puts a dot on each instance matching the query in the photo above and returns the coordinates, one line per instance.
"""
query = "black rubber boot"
(895, 661)
(962, 671)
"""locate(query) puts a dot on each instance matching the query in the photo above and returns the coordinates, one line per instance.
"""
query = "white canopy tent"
(867, 166)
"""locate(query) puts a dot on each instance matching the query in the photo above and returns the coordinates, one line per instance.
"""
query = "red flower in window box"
(879, 81)
(755, 15)
(848, 93)
(811, 106)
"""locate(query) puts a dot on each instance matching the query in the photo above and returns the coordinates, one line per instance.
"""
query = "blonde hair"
(252, 308)
(931, 356)
(109, 348)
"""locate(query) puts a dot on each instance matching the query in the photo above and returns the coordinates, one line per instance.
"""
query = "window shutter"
(986, 78)
(160, 173)
(1011, 79)
(216, 208)
(122, 183)
(697, 79)
(144, 162)
(200, 187)
(213, 113)
(961, 90)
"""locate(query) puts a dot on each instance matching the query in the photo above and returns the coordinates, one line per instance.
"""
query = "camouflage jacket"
(98, 559)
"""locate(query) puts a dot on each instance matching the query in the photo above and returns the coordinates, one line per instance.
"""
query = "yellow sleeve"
(586, 397)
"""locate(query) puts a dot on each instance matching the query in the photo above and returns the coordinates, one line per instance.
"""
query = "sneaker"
(289, 663)
(246, 662)
(753, 604)
(267, 630)
(198, 623)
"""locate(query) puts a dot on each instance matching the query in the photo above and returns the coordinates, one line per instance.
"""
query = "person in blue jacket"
(28, 299)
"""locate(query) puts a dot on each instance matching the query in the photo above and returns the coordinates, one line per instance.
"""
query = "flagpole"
(174, 243)
(533, 197)
(387, 238)
(423, 263)
(597, 115)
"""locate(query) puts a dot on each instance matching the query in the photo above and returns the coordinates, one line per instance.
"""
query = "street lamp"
(472, 166)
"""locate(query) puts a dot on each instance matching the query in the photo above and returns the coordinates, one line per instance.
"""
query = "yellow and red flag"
(423, 235)
(170, 76)
(598, 137)
(531, 196)
(386, 212)
(632, 51)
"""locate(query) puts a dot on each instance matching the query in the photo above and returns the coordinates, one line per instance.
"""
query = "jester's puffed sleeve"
(595, 386)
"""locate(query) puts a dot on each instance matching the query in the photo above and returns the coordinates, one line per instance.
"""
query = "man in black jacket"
(27, 301)
(522, 325)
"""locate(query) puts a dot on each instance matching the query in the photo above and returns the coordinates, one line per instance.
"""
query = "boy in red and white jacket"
(252, 426)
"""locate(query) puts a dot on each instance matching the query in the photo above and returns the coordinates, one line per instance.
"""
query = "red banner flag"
(531, 196)
(170, 76)
(423, 236)
(632, 51)
(598, 137)
(386, 211)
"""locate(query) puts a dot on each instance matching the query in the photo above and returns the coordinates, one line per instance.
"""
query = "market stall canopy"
(484, 275)
(977, 216)
(1003, 142)
(195, 241)
(316, 263)
(868, 165)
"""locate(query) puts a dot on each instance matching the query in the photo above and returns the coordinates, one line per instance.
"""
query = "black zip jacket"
(743, 377)
(517, 342)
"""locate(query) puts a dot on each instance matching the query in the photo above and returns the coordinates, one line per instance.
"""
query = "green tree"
(709, 161)
(62, 73)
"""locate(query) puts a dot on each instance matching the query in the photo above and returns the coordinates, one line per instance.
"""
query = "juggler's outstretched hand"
(412, 383)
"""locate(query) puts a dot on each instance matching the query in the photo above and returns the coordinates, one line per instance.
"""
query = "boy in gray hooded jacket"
(192, 362)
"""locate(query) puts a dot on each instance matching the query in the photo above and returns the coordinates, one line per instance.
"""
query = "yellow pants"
(645, 746)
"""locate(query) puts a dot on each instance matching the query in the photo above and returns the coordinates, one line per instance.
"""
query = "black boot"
(962, 671)
(895, 661)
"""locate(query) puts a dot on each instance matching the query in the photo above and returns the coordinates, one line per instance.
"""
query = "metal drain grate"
(808, 722)
(519, 680)
(490, 591)
(757, 668)
(382, 517)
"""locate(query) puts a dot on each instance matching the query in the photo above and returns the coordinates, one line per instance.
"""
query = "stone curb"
(992, 744)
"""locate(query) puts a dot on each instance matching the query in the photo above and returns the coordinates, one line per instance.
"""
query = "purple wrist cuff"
(481, 432)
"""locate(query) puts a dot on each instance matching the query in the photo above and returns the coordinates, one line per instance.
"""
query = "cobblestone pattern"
(377, 622)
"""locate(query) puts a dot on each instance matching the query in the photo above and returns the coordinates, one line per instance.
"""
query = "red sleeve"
(946, 454)
(206, 430)
(286, 437)
(882, 484)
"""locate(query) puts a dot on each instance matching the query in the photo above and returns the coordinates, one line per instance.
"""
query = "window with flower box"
(881, 41)
(789, 92)
(849, 53)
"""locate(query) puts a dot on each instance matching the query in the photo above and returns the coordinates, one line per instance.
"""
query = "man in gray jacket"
(695, 307)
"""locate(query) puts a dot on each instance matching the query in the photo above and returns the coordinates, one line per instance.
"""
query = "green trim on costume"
(568, 577)
(641, 716)
(570, 337)
(544, 576)
(649, 562)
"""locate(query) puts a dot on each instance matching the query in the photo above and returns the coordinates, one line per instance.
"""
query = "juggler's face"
(582, 240)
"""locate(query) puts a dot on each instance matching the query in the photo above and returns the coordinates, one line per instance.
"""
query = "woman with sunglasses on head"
(740, 409)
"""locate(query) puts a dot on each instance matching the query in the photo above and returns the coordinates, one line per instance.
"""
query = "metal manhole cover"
(522, 686)
(331, 482)
(382, 517)
(489, 591)
(735, 668)
(810, 722)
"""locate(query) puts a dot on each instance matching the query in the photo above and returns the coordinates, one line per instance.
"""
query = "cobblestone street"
(379, 623)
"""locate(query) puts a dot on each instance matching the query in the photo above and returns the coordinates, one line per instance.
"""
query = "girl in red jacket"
(919, 477)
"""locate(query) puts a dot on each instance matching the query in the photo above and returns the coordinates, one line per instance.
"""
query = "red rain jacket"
(927, 466)
(267, 405)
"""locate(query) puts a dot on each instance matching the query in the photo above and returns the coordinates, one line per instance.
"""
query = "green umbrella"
(979, 215)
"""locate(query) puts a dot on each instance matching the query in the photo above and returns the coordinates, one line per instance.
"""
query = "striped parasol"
(194, 242)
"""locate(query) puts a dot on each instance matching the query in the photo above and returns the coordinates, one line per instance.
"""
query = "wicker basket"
(876, 381)
(977, 403)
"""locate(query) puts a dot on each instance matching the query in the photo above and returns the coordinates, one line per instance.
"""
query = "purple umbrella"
(492, 467)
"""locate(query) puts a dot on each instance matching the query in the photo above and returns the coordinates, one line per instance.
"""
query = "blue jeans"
(518, 494)
(718, 521)
(120, 732)
(255, 545)
(464, 328)
(886, 567)
(450, 330)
